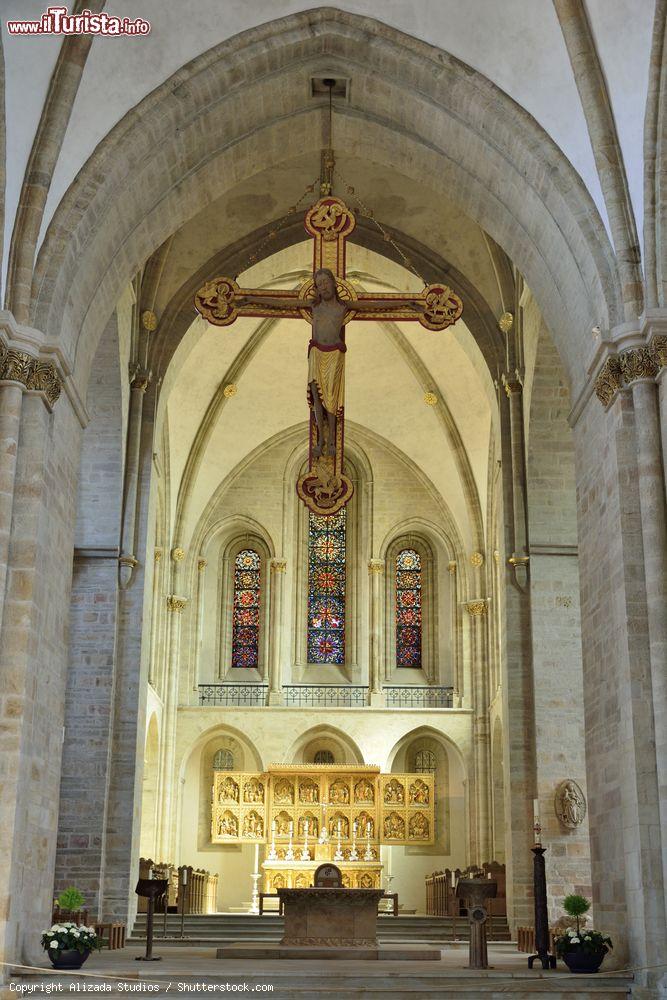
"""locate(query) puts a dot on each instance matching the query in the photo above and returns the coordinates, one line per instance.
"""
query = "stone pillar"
(140, 382)
(165, 838)
(11, 399)
(278, 568)
(376, 574)
(518, 698)
(155, 618)
(477, 611)
(199, 626)
(639, 369)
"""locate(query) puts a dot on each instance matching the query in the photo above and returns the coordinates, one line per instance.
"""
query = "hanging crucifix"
(328, 302)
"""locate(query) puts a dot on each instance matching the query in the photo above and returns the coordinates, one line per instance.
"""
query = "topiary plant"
(576, 906)
(70, 900)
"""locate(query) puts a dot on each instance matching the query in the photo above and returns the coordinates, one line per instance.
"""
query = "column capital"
(279, 565)
(157, 555)
(511, 384)
(30, 372)
(202, 564)
(176, 603)
(477, 608)
(375, 566)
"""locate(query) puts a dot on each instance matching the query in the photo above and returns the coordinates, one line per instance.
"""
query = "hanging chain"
(273, 232)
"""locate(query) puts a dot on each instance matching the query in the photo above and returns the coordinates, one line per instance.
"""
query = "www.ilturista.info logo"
(58, 21)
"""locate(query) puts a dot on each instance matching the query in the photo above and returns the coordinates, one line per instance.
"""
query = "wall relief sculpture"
(570, 804)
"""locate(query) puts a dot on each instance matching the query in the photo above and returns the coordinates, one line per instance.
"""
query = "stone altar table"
(330, 917)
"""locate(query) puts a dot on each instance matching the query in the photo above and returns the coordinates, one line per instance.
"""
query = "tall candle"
(256, 857)
(354, 826)
(273, 824)
(536, 812)
(368, 829)
(305, 826)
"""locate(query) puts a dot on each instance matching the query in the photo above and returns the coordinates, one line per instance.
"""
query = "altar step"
(207, 929)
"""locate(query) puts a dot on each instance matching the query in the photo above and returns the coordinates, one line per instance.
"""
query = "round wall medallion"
(570, 804)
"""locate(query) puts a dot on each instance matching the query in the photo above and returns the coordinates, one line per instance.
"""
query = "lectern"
(475, 892)
(151, 888)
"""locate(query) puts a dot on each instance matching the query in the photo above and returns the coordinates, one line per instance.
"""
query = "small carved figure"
(418, 827)
(363, 791)
(394, 827)
(394, 793)
(339, 793)
(570, 804)
(253, 825)
(229, 791)
(365, 825)
(302, 881)
(253, 791)
(278, 881)
(308, 791)
(344, 826)
(346, 880)
(228, 825)
(366, 881)
(313, 825)
(283, 792)
(282, 823)
(419, 792)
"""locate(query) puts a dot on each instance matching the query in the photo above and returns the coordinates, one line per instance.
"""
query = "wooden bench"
(270, 895)
(114, 934)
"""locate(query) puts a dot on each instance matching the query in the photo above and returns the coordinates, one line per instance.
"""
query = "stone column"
(376, 574)
(517, 668)
(165, 838)
(140, 382)
(152, 660)
(639, 368)
(478, 610)
(11, 399)
(278, 568)
(659, 352)
(199, 626)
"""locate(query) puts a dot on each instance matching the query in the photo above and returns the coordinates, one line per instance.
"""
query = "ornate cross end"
(218, 302)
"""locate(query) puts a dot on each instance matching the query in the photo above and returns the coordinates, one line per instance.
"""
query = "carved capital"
(36, 375)
(157, 555)
(512, 386)
(476, 608)
(659, 350)
(279, 565)
(178, 554)
(451, 566)
(201, 564)
(175, 603)
(609, 381)
(140, 378)
(637, 364)
(376, 566)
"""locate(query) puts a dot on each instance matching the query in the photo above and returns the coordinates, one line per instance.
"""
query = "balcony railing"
(243, 695)
(325, 695)
(411, 696)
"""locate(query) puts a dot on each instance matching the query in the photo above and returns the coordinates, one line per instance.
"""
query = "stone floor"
(199, 973)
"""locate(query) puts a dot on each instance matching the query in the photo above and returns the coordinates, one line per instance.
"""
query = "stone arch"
(324, 737)
(429, 667)
(507, 174)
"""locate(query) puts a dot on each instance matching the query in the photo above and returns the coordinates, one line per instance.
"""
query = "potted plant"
(69, 945)
(68, 906)
(581, 949)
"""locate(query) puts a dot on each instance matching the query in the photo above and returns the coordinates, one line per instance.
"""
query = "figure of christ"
(326, 350)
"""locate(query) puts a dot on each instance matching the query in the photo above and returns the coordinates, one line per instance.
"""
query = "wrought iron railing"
(243, 695)
(325, 695)
(411, 696)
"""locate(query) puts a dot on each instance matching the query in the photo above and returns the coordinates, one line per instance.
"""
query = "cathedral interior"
(466, 654)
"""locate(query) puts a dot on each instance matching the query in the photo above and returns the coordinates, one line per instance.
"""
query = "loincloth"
(326, 368)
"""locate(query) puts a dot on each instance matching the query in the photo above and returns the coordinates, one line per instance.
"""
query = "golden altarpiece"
(309, 813)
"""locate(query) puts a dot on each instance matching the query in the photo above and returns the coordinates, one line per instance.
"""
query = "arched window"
(324, 757)
(408, 609)
(245, 622)
(326, 588)
(223, 761)
(424, 762)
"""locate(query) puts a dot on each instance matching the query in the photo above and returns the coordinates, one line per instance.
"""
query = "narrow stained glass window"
(408, 609)
(326, 588)
(223, 761)
(245, 628)
(425, 762)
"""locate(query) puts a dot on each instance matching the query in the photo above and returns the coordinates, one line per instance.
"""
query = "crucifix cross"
(328, 301)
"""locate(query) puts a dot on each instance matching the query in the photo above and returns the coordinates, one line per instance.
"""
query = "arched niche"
(149, 796)
(342, 746)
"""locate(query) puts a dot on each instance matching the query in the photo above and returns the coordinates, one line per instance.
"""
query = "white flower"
(54, 944)
(575, 940)
(587, 937)
(75, 933)
(571, 932)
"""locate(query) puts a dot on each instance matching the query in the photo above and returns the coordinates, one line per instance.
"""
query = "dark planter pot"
(584, 961)
(70, 958)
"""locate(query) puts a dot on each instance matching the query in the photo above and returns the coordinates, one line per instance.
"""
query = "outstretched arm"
(293, 301)
(372, 305)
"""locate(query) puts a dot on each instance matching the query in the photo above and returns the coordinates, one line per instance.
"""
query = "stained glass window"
(425, 762)
(223, 761)
(245, 626)
(324, 757)
(326, 588)
(408, 609)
